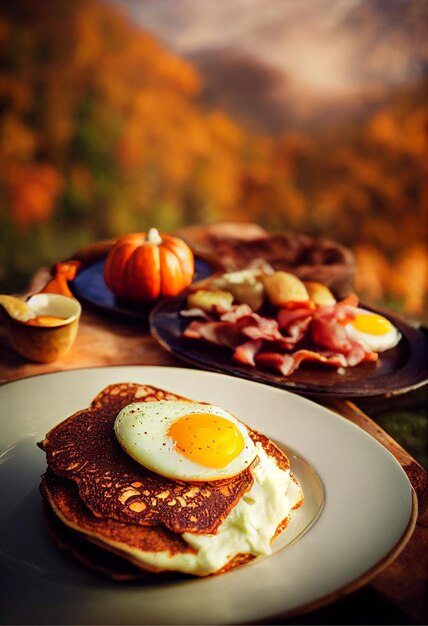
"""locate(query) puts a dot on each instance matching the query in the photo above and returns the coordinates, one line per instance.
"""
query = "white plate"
(358, 512)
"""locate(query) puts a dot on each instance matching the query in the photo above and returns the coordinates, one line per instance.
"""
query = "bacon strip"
(220, 333)
(286, 364)
(246, 352)
(288, 317)
(268, 343)
(329, 333)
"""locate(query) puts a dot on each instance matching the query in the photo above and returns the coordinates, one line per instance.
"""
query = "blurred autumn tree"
(102, 132)
(365, 186)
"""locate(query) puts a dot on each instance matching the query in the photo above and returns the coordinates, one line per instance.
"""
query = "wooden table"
(395, 596)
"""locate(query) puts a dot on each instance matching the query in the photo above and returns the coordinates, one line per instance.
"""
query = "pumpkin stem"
(154, 237)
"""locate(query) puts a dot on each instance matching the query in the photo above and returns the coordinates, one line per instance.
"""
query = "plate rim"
(260, 376)
(341, 591)
(365, 578)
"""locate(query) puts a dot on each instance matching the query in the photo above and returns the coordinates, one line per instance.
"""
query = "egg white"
(142, 430)
(375, 343)
(248, 528)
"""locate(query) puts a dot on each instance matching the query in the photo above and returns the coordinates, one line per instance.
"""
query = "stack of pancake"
(123, 519)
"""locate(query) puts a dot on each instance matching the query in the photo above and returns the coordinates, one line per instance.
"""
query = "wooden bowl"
(44, 344)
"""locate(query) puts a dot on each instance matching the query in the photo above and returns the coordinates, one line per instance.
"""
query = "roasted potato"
(319, 294)
(284, 289)
(208, 300)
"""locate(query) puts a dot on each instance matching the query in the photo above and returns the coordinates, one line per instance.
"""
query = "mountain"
(306, 64)
(245, 86)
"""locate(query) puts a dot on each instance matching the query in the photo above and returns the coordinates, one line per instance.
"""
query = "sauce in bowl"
(45, 320)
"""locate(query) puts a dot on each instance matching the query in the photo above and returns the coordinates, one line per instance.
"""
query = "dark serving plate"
(89, 286)
(397, 370)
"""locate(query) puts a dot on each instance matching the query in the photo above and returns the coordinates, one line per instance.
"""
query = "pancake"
(92, 485)
(103, 545)
(84, 448)
(117, 537)
(102, 561)
(115, 549)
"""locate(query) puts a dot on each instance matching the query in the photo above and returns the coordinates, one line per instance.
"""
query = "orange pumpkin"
(145, 266)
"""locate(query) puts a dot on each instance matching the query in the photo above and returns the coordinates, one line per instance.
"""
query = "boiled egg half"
(185, 440)
(372, 330)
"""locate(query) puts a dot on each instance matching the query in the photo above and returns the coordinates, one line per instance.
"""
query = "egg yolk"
(207, 439)
(372, 324)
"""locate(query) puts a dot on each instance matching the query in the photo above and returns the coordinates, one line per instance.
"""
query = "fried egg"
(185, 440)
(374, 331)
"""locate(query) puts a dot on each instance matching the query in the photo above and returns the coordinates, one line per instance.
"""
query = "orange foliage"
(404, 279)
(103, 124)
(33, 192)
(373, 272)
(17, 141)
(409, 279)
